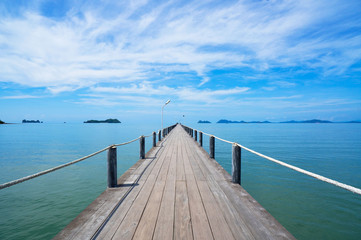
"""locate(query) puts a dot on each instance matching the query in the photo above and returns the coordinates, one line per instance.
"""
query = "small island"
(31, 121)
(229, 121)
(1, 122)
(308, 121)
(203, 121)
(110, 120)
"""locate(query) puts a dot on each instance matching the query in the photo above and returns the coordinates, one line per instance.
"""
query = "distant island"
(308, 121)
(292, 121)
(205, 121)
(110, 120)
(1, 122)
(31, 121)
(229, 121)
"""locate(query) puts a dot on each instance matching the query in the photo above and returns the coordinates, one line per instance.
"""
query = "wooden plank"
(181, 194)
(217, 222)
(130, 222)
(182, 218)
(165, 221)
(88, 220)
(259, 221)
(200, 223)
(219, 226)
(123, 209)
(180, 168)
(148, 220)
(235, 222)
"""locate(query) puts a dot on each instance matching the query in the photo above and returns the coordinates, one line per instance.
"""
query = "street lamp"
(162, 112)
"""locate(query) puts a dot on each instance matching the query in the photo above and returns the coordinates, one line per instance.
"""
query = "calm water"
(308, 208)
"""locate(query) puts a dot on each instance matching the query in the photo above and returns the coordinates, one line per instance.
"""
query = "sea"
(306, 207)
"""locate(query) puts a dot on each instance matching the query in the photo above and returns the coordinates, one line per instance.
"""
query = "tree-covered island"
(31, 121)
(110, 120)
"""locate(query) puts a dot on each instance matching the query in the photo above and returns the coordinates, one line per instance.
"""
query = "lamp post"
(162, 111)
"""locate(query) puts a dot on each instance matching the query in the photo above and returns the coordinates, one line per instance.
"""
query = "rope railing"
(300, 170)
(111, 160)
(20, 180)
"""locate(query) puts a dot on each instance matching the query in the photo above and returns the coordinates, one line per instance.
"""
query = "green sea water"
(308, 208)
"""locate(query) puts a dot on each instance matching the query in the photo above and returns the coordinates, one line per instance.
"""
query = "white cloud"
(87, 48)
(146, 92)
(20, 97)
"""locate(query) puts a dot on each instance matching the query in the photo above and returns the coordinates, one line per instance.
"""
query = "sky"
(275, 60)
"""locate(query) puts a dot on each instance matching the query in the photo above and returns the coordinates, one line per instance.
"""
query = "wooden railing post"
(196, 135)
(154, 139)
(112, 167)
(142, 147)
(201, 139)
(236, 164)
(159, 135)
(211, 146)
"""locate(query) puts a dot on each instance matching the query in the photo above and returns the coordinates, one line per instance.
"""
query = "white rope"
(20, 180)
(314, 175)
(311, 174)
(218, 138)
(121, 144)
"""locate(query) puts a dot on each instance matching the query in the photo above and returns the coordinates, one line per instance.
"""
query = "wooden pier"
(176, 192)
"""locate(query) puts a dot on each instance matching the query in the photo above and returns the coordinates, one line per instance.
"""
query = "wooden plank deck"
(177, 192)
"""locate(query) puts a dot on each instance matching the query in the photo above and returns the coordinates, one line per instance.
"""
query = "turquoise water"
(308, 208)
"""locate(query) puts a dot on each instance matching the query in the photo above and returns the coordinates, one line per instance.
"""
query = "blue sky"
(240, 60)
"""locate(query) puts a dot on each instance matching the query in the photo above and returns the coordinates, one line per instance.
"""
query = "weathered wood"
(201, 139)
(154, 139)
(236, 164)
(182, 218)
(196, 135)
(165, 221)
(176, 192)
(112, 167)
(142, 147)
(159, 135)
(211, 146)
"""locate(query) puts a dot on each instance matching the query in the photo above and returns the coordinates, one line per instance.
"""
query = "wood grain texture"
(176, 192)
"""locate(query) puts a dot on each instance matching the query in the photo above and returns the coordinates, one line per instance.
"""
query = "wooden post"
(196, 135)
(211, 146)
(112, 167)
(192, 132)
(154, 139)
(142, 147)
(236, 164)
(159, 135)
(201, 139)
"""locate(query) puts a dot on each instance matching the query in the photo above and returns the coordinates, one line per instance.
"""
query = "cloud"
(145, 92)
(129, 44)
(19, 97)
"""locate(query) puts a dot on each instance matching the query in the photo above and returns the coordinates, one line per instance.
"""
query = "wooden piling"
(159, 135)
(112, 167)
(211, 146)
(201, 139)
(154, 139)
(196, 135)
(236, 164)
(142, 147)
